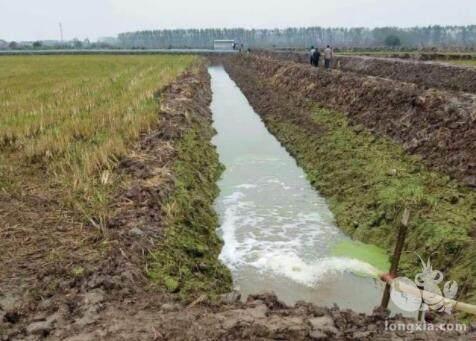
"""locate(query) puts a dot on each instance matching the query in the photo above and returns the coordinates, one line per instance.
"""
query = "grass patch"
(471, 62)
(187, 261)
(66, 120)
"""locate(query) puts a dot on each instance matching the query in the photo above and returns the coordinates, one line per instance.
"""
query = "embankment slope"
(438, 126)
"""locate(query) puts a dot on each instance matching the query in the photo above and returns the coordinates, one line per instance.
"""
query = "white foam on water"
(279, 247)
(229, 252)
(280, 183)
(279, 242)
(246, 186)
(234, 197)
(291, 266)
(278, 256)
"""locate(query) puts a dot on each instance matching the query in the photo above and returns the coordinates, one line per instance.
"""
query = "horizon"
(244, 28)
(27, 20)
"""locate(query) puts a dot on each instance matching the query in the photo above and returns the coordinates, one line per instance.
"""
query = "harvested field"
(349, 158)
(63, 136)
(445, 77)
(52, 258)
(63, 133)
(71, 118)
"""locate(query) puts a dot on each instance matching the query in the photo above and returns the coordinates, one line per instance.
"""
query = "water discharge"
(278, 231)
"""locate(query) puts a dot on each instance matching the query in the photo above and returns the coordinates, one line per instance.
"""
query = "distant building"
(224, 45)
(51, 43)
(3, 45)
(108, 40)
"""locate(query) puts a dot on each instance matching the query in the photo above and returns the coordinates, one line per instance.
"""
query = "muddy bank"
(262, 317)
(187, 263)
(367, 179)
(435, 125)
(424, 56)
(428, 75)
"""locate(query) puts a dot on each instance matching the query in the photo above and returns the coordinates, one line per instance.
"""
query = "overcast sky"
(38, 19)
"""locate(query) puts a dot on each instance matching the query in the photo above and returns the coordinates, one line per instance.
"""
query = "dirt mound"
(435, 125)
(262, 317)
(426, 56)
(429, 75)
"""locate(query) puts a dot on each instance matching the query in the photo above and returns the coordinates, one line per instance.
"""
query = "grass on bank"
(369, 180)
(187, 260)
(471, 63)
(66, 120)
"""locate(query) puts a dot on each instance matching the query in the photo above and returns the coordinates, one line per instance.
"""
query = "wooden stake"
(402, 233)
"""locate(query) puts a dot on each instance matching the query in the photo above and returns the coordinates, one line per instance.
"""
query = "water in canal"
(277, 230)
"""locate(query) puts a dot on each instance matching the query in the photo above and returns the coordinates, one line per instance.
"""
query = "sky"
(39, 19)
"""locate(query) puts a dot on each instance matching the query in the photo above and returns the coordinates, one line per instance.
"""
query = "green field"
(66, 120)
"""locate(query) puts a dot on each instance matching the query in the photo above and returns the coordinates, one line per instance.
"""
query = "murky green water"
(278, 231)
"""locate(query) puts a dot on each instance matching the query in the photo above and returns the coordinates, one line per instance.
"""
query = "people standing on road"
(328, 54)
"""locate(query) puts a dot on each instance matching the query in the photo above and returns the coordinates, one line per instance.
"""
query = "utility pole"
(61, 31)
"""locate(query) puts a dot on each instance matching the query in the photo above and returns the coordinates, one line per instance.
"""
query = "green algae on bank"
(187, 263)
(367, 253)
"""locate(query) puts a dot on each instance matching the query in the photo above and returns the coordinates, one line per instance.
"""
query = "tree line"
(415, 37)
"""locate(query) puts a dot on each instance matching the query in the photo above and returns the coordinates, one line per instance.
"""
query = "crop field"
(66, 120)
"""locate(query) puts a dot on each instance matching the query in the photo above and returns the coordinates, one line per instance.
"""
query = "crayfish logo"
(424, 293)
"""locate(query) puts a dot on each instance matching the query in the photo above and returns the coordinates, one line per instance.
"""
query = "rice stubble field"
(66, 122)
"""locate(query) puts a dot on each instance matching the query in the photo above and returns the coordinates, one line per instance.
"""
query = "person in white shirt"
(328, 54)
